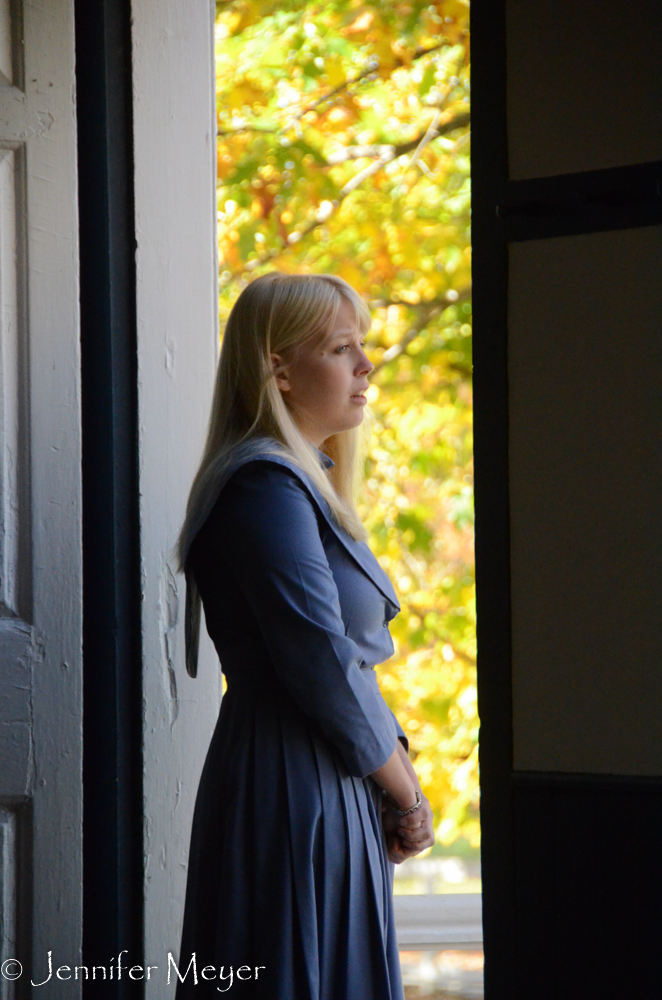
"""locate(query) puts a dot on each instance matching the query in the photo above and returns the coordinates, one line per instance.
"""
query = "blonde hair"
(276, 313)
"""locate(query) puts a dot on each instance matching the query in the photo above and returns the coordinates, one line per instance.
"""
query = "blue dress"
(288, 870)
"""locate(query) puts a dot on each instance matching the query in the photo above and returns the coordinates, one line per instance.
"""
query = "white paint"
(6, 68)
(446, 920)
(175, 203)
(10, 337)
(40, 635)
(8, 907)
(20, 118)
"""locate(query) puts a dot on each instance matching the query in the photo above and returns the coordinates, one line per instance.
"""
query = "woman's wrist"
(410, 810)
(405, 803)
(393, 777)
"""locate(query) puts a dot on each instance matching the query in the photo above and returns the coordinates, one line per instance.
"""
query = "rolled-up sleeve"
(400, 733)
(271, 535)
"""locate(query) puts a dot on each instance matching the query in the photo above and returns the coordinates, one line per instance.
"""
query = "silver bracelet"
(412, 809)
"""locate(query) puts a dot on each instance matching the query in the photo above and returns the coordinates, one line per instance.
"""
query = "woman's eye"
(342, 348)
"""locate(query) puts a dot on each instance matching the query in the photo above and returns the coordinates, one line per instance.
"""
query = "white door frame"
(177, 328)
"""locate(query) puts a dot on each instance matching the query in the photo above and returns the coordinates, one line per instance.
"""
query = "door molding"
(113, 869)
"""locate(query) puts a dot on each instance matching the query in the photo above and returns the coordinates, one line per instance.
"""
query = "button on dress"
(288, 869)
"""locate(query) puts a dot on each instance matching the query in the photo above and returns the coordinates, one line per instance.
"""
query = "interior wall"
(559, 120)
(567, 213)
(584, 350)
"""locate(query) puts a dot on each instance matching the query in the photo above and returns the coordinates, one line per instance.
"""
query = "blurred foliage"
(343, 147)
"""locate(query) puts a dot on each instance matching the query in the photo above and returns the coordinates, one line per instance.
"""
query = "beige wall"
(585, 346)
(560, 120)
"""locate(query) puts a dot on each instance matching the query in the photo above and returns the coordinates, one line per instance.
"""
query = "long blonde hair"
(276, 313)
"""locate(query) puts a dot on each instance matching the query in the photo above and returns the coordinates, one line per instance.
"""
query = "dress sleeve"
(271, 536)
(400, 733)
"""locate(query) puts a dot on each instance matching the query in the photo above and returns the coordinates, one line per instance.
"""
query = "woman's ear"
(280, 373)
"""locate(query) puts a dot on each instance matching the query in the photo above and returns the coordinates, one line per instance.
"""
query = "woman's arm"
(395, 779)
(406, 836)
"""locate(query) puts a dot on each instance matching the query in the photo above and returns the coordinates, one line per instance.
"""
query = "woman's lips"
(359, 398)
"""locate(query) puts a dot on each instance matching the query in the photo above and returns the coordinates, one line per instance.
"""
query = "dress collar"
(327, 462)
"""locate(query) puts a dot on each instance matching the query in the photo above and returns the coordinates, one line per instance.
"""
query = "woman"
(307, 792)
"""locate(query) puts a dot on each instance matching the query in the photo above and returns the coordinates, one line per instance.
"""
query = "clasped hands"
(407, 836)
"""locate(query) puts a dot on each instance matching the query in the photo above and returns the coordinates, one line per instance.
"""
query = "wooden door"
(40, 511)
(567, 163)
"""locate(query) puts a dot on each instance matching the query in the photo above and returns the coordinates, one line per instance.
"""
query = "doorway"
(343, 147)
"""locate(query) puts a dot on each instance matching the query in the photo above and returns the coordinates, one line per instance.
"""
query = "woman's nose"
(365, 365)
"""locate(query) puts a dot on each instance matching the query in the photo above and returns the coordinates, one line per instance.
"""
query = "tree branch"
(238, 129)
(432, 133)
(372, 67)
(451, 298)
(368, 171)
(391, 152)
(427, 309)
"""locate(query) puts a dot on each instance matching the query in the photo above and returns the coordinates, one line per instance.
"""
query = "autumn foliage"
(343, 147)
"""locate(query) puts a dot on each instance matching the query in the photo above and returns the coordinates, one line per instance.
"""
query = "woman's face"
(326, 383)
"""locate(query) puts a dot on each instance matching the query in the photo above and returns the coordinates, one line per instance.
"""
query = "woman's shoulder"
(264, 511)
(267, 471)
(264, 490)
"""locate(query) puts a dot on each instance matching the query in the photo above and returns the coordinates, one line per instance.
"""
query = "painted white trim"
(447, 920)
(41, 648)
(177, 321)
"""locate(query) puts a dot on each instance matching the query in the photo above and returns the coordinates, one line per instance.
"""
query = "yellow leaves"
(455, 16)
(224, 165)
(383, 50)
(245, 94)
(335, 71)
(350, 272)
(424, 420)
(243, 14)
(416, 346)
(468, 701)
(402, 52)
(410, 295)
(360, 24)
(339, 117)
(227, 24)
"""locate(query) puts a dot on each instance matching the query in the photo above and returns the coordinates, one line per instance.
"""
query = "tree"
(343, 147)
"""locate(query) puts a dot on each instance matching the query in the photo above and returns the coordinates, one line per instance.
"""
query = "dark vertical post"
(112, 769)
(489, 168)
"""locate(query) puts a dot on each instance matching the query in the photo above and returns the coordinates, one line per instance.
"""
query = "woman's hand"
(407, 836)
